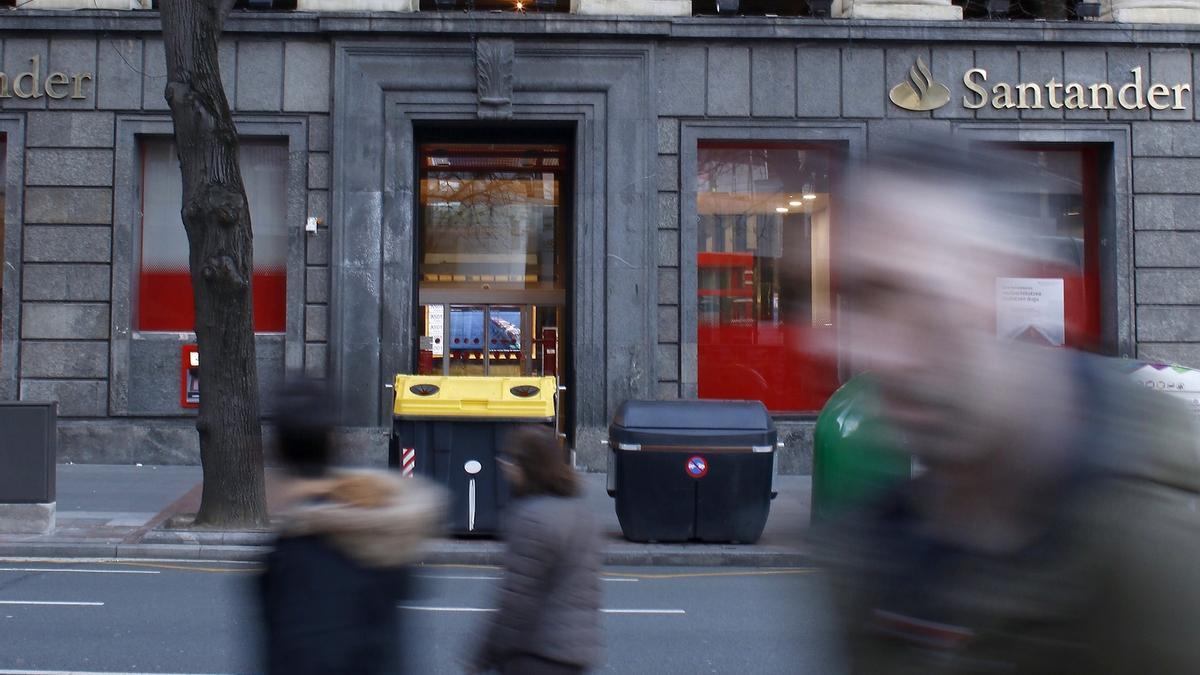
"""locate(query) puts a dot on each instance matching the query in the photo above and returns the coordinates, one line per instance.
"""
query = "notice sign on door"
(1031, 310)
(435, 322)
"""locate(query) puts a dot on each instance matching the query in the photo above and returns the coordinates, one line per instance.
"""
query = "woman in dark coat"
(549, 606)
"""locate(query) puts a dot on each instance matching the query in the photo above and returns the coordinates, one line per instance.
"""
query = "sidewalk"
(107, 511)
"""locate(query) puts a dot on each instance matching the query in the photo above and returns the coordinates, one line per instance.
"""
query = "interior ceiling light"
(781, 209)
(795, 202)
(810, 196)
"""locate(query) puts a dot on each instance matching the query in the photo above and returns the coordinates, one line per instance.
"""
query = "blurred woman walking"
(549, 606)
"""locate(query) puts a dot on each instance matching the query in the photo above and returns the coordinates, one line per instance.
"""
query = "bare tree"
(217, 219)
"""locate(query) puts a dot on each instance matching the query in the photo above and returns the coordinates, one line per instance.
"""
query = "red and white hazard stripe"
(408, 461)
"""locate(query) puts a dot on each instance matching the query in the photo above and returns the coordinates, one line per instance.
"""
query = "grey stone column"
(1152, 11)
(633, 7)
(897, 9)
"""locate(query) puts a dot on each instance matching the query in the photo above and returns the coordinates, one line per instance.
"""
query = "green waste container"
(855, 456)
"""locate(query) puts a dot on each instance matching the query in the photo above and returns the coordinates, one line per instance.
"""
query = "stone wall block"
(668, 136)
(1168, 324)
(728, 81)
(1087, 67)
(668, 286)
(227, 62)
(773, 81)
(318, 133)
(65, 282)
(1170, 67)
(668, 173)
(668, 324)
(1002, 65)
(1165, 139)
(668, 210)
(64, 321)
(666, 359)
(17, 55)
(68, 206)
(76, 398)
(64, 129)
(1040, 66)
(318, 170)
(1166, 176)
(316, 360)
(1167, 249)
(317, 250)
(316, 323)
(316, 285)
(73, 168)
(306, 77)
(668, 248)
(67, 244)
(154, 75)
(864, 92)
(681, 79)
(818, 82)
(948, 67)
(1183, 354)
(1166, 212)
(259, 76)
(73, 57)
(118, 74)
(72, 359)
(1120, 63)
(1168, 287)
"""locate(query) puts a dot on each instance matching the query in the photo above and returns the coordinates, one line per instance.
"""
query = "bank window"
(164, 285)
(1063, 214)
(764, 298)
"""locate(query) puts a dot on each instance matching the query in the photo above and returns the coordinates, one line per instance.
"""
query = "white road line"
(75, 571)
(125, 561)
(83, 672)
(463, 577)
(51, 602)
(420, 608)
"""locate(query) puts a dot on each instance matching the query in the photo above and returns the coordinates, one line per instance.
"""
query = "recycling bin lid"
(724, 423)
(491, 398)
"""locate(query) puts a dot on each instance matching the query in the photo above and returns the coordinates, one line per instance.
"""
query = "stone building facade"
(345, 98)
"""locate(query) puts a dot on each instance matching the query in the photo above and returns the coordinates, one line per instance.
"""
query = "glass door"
(492, 259)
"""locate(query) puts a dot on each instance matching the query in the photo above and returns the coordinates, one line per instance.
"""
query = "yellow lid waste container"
(452, 428)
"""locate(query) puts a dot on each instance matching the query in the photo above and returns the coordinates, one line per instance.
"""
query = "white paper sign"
(1031, 310)
(435, 321)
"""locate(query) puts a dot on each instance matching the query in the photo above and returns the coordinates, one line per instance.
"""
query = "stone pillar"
(897, 9)
(1152, 11)
(357, 5)
(633, 7)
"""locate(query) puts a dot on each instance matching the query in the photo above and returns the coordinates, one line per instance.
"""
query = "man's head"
(924, 238)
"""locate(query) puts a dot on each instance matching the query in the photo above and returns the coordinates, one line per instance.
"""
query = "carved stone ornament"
(494, 78)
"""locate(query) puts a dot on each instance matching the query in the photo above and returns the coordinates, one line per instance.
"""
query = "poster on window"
(436, 321)
(1031, 310)
(1177, 381)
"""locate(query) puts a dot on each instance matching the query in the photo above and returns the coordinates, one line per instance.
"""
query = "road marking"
(125, 561)
(465, 577)
(74, 571)
(51, 602)
(697, 575)
(489, 610)
(84, 672)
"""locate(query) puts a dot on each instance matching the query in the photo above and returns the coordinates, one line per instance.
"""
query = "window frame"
(143, 380)
(1114, 196)
(13, 125)
(850, 136)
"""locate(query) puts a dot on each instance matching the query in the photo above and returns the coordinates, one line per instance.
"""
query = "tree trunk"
(217, 219)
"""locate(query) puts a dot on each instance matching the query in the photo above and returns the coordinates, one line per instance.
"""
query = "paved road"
(181, 617)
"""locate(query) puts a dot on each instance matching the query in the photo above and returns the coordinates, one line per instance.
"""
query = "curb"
(441, 553)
